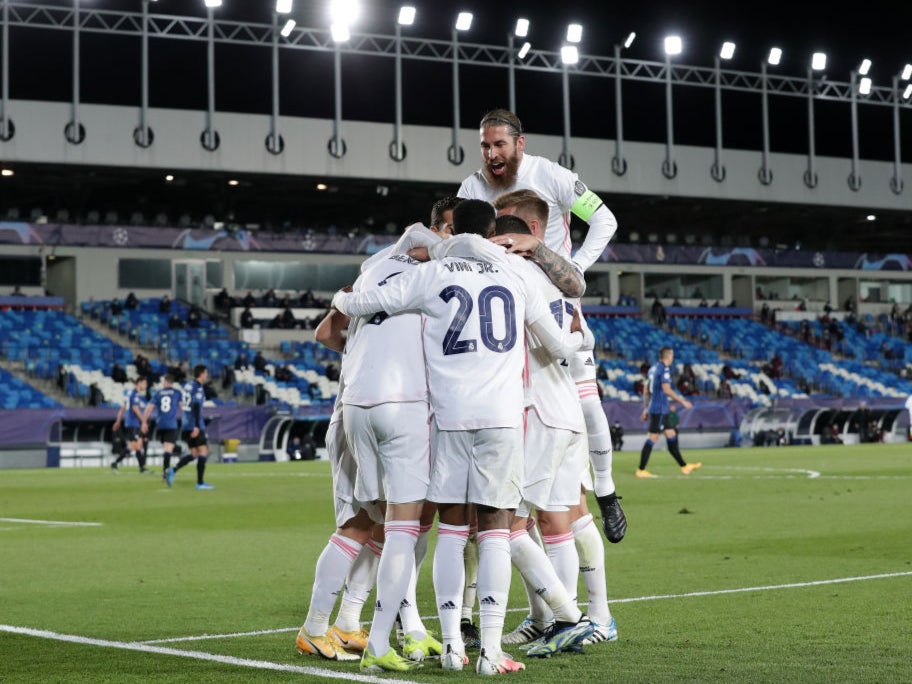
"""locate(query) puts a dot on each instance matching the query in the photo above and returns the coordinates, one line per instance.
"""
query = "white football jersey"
(384, 359)
(473, 334)
(560, 188)
(549, 388)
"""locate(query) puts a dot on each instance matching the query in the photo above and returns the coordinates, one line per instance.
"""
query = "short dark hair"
(169, 378)
(442, 205)
(473, 216)
(502, 117)
(663, 351)
(198, 370)
(141, 378)
(508, 223)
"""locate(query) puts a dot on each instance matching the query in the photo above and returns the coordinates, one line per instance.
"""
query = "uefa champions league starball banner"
(335, 241)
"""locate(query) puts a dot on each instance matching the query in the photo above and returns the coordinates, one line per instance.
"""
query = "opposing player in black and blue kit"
(132, 415)
(659, 389)
(194, 429)
(167, 404)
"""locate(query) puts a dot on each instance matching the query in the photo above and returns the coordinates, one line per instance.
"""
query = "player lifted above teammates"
(506, 167)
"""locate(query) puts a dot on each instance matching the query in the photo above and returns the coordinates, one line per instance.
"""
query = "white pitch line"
(770, 587)
(658, 597)
(202, 655)
(55, 523)
(203, 637)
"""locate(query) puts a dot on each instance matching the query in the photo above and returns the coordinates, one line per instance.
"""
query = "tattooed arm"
(560, 271)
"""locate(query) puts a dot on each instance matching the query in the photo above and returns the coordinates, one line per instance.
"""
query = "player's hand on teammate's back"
(419, 254)
(577, 324)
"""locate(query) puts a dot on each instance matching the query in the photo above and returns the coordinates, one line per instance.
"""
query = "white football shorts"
(344, 473)
(476, 466)
(554, 459)
(390, 443)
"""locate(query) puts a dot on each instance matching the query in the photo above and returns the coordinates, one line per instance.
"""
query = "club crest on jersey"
(580, 188)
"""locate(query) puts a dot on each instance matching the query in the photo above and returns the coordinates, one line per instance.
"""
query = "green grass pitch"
(766, 565)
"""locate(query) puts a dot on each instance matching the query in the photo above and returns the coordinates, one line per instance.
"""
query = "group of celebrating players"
(468, 392)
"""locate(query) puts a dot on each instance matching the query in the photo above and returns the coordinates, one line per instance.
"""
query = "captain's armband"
(586, 204)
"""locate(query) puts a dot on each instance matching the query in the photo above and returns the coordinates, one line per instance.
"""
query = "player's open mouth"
(497, 168)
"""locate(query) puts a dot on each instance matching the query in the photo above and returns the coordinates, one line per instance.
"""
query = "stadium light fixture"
(728, 50)
(569, 54)
(344, 12)
(169, 178)
(871, 217)
(775, 56)
(818, 61)
(522, 28)
(464, 21)
(6, 173)
(906, 72)
(864, 86)
(234, 182)
(865, 67)
(524, 50)
(213, 3)
(629, 40)
(673, 45)
(907, 93)
(406, 15)
(283, 6)
(288, 28)
(321, 187)
(574, 33)
(340, 32)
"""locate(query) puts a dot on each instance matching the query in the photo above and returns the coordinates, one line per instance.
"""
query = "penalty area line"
(202, 655)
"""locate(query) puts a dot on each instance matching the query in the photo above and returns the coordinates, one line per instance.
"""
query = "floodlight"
(524, 50)
(522, 28)
(213, 3)
(340, 32)
(864, 86)
(818, 61)
(728, 50)
(283, 6)
(630, 38)
(344, 12)
(569, 54)
(406, 15)
(464, 21)
(321, 186)
(234, 182)
(6, 173)
(906, 72)
(574, 33)
(871, 217)
(865, 67)
(288, 28)
(907, 93)
(775, 56)
(673, 45)
(169, 178)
